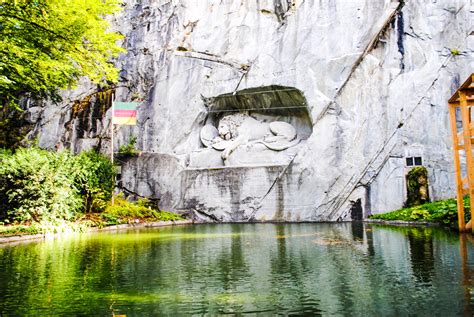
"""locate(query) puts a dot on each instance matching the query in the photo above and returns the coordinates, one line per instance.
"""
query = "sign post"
(112, 150)
(123, 113)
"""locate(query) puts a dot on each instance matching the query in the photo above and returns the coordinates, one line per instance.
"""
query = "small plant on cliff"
(128, 150)
(455, 51)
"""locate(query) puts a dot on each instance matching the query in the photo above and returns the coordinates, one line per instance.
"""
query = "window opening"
(414, 161)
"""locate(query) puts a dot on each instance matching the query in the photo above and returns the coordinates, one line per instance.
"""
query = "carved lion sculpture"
(241, 129)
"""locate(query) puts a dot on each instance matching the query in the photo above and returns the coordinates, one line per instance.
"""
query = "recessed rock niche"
(261, 126)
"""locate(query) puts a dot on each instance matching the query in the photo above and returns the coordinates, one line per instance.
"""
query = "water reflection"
(358, 230)
(350, 268)
(466, 273)
(288, 272)
(421, 253)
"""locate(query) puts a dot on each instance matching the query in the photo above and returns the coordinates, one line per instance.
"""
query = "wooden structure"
(461, 103)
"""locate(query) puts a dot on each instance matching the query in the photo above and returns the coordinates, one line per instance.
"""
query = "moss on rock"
(417, 187)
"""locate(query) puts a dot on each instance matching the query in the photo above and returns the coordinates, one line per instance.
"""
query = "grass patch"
(443, 212)
(18, 230)
(122, 212)
(42, 228)
(142, 210)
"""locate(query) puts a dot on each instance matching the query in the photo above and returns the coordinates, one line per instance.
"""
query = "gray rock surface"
(365, 83)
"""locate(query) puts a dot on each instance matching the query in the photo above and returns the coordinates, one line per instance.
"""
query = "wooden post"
(464, 99)
(466, 124)
(457, 168)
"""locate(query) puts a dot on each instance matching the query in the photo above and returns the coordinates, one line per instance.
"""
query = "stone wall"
(376, 76)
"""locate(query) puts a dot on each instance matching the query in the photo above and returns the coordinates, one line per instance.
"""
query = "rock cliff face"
(374, 77)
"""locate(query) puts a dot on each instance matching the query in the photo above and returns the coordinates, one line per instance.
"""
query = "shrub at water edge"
(443, 212)
(95, 174)
(126, 211)
(37, 185)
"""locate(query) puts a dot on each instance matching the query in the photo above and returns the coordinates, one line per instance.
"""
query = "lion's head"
(229, 125)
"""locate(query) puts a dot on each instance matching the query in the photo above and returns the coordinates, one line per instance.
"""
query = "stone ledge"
(212, 168)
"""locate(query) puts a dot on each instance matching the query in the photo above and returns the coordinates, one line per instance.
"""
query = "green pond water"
(328, 269)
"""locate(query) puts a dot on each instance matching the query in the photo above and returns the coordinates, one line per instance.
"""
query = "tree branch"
(32, 23)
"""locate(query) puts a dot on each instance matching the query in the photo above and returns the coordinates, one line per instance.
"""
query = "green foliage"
(455, 51)
(4, 153)
(443, 212)
(95, 179)
(18, 230)
(110, 219)
(140, 210)
(129, 149)
(13, 127)
(40, 186)
(36, 184)
(48, 190)
(56, 226)
(417, 186)
(169, 216)
(46, 45)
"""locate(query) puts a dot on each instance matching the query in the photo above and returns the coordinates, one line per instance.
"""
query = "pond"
(328, 269)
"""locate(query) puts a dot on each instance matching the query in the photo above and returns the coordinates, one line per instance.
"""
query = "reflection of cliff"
(231, 265)
(217, 269)
(288, 276)
(421, 253)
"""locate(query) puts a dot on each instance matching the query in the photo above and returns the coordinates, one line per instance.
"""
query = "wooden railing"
(463, 141)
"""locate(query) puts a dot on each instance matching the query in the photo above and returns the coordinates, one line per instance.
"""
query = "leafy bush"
(129, 149)
(56, 226)
(37, 185)
(126, 210)
(169, 216)
(94, 179)
(18, 230)
(443, 212)
(44, 189)
(110, 219)
(4, 153)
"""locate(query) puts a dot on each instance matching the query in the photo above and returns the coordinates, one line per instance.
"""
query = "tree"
(47, 45)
